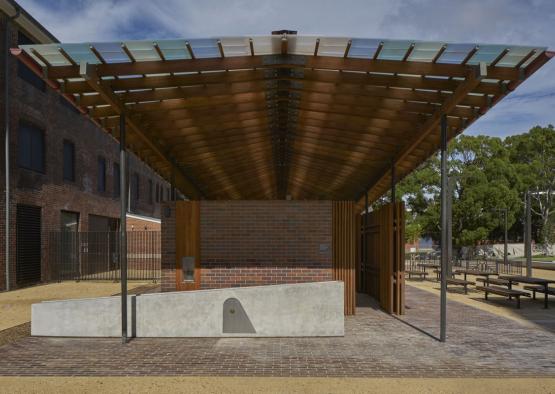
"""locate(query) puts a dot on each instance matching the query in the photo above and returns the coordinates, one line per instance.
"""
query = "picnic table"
(531, 280)
(429, 265)
(466, 272)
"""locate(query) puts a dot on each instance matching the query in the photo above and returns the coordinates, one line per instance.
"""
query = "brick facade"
(247, 243)
(48, 190)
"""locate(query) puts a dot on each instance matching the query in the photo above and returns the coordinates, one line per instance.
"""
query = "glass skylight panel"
(455, 53)
(50, 53)
(266, 45)
(142, 51)
(205, 48)
(515, 55)
(235, 46)
(363, 48)
(394, 49)
(486, 54)
(533, 57)
(174, 49)
(425, 51)
(111, 52)
(80, 53)
(301, 45)
(333, 46)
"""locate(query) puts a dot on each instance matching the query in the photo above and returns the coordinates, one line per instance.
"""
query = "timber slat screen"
(382, 270)
(266, 117)
(344, 250)
(94, 256)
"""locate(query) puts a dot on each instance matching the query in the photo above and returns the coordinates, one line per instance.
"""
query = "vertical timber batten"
(344, 250)
(123, 228)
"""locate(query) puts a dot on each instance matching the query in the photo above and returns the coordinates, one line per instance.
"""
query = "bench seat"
(460, 282)
(539, 289)
(495, 281)
(422, 274)
(503, 292)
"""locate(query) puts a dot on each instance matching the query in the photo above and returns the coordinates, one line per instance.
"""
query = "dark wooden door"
(187, 245)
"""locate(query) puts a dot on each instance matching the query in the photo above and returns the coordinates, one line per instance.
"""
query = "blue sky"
(526, 22)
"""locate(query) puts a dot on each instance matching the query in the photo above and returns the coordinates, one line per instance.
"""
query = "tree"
(533, 155)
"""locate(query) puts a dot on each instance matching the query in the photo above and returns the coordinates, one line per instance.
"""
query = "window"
(168, 194)
(25, 72)
(69, 161)
(135, 187)
(30, 148)
(117, 189)
(157, 193)
(150, 192)
(101, 179)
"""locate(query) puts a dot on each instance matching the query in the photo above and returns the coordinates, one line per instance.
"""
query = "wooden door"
(187, 245)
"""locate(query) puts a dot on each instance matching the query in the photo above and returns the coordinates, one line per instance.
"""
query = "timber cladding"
(248, 243)
(382, 257)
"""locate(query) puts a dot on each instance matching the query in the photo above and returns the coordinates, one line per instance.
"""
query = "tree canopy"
(488, 176)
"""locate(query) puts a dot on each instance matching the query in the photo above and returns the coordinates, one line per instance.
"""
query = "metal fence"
(417, 261)
(95, 255)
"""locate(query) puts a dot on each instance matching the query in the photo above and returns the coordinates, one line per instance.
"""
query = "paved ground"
(480, 344)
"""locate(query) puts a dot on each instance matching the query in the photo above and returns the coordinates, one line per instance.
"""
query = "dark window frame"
(65, 176)
(101, 174)
(135, 187)
(117, 180)
(27, 162)
(150, 192)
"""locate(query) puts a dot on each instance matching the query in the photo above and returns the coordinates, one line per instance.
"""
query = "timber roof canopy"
(267, 117)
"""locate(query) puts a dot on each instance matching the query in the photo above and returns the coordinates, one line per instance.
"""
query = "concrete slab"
(289, 310)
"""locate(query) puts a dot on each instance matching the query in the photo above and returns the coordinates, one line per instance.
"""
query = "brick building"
(63, 169)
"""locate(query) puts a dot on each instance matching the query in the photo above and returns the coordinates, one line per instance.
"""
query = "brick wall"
(49, 191)
(246, 243)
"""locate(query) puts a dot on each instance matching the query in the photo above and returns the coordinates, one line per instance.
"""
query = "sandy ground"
(15, 306)
(272, 385)
(531, 312)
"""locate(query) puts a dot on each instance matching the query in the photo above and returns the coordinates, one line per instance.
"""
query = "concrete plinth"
(290, 310)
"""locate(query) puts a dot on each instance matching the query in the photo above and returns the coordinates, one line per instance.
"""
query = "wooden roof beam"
(183, 183)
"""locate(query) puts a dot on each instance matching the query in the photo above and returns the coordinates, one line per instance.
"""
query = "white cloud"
(487, 21)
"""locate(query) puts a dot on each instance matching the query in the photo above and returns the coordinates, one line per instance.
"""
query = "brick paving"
(479, 344)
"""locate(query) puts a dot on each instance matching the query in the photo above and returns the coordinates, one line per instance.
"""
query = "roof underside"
(283, 115)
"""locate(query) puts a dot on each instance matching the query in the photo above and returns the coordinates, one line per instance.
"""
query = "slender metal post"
(450, 188)
(528, 235)
(443, 298)
(395, 254)
(365, 261)
(123, 227)
(7, 234)
(506, 245)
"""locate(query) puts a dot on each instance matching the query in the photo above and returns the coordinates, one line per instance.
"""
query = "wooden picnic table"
(531, 280)
(475, 273)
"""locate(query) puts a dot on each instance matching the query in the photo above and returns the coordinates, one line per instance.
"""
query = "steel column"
(123, 227)
(395, 254)
(528, 234)
(506, 245)
(365, 243)
(444, 231)
(7, 234)
(450, 188)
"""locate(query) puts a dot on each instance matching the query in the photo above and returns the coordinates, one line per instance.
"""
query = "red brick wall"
(49, 191)
(246, 243)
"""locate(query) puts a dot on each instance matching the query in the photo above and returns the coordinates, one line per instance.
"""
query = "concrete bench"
(503, 292)
(539, 289)
(460, 282)
(494, 281)
(420, 274)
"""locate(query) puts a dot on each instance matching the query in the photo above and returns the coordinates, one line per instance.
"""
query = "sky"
(513, 22)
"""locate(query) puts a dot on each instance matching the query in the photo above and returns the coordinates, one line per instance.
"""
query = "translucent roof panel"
(425, 51)
(333, 46)
(236, 46)
(301, 45)
(363, 48)
(486, 54)
(515, 55)
(394, 49)
(174, 49)
(50, 52)
(205, 48)
(142, 51)
(266, 45)
(111, 52)
(455, 53)
(81, 53)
